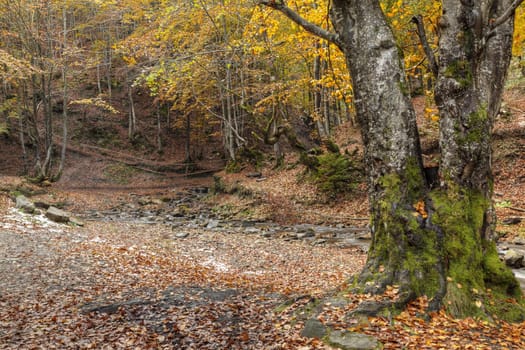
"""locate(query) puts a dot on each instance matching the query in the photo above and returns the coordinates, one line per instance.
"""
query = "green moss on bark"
(404, 250)
(432, 244)
(477, 127)
(472, 265)
(504, 296)
(461, 71)
(460, 215)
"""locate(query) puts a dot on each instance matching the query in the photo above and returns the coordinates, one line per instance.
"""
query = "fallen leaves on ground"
(118, 285)
(415, 329)
(128, 286)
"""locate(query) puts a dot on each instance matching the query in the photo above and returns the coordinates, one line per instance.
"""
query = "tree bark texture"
(474, 56)
(392, 152)
(427, 238)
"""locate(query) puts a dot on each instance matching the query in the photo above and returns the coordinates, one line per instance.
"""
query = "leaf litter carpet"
(129, 286)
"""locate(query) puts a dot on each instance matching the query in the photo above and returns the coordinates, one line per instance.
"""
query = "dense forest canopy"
(238, 68)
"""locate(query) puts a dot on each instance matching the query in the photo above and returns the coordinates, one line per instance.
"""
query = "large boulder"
(24, 204)
(57, 215)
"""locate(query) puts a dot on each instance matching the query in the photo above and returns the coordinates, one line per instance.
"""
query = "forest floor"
(132, 284)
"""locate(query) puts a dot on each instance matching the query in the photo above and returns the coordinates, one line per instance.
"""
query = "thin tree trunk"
(318, 115)
(132, 119)
(168, 118)
(230, 141)
(21, 119)
(45, 168)
(64, 97)
(33, 129)
(108, 62)
(159, 129)
(99, 84)
(187, 148)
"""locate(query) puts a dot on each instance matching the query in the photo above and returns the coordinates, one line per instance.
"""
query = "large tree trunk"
(473, 62)
(397, 187)
(430, 240)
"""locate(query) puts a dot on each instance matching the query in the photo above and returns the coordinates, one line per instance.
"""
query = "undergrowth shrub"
(334, 173)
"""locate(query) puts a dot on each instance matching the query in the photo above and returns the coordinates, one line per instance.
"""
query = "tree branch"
(495, 23)
(418, 20)
(506, 15)
(310, 27)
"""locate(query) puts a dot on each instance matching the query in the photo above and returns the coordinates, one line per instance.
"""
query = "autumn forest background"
(237, 129)
(184, 78)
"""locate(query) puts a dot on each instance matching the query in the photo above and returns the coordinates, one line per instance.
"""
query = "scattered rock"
(267, 234)
(518, 241)
(76, 221)
(255, 174)
(23, 203)
(513, 258)
(42, 205)
(57, 215)
(353, 341)
(157, 201)
(182, 235)
(288, 236)
(307, 234)
(201, 190)
(338, 302)
(144, 201)
(246, 223)
(513, 220)
(366, 236)
(212, 224)
(46, 183)
(313, 328)
(325, 234)
(251, 230)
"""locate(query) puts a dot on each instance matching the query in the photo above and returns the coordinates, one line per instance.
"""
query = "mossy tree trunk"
(474, 55)
(430, 241)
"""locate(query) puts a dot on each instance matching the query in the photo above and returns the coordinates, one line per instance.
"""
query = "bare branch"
(418, 20)
(506, 15)
(310, 27)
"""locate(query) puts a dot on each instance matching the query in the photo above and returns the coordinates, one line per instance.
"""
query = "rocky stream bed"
(186, 210)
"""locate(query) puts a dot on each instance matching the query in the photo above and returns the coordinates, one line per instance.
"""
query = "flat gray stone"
(313, 328)
(306, 234)
(182, 235)
(353, 341)
(254, 174)
(42, 205)
(251, 230)
(57, 215)
(24, 204)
